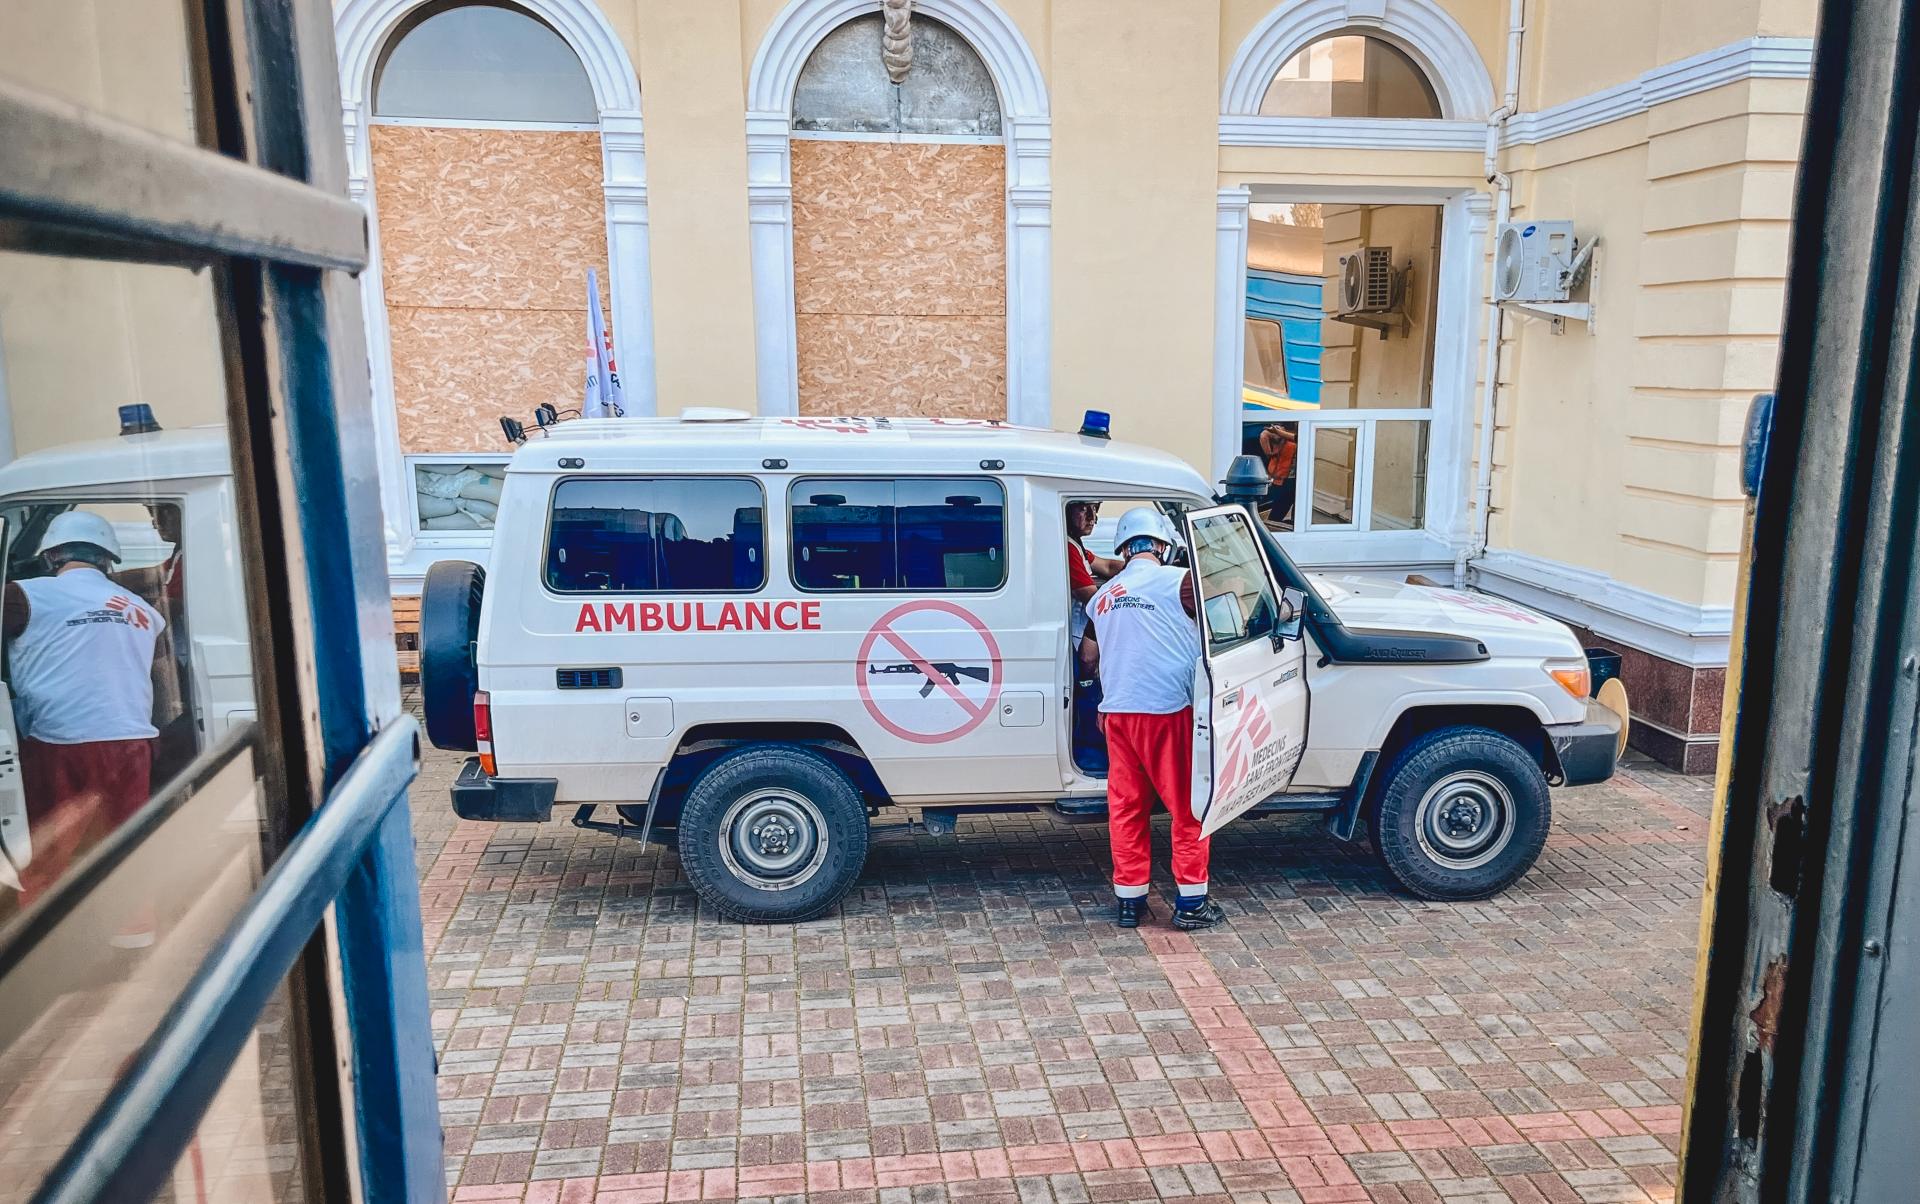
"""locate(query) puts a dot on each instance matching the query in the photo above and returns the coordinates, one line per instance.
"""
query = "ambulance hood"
(1506, 628)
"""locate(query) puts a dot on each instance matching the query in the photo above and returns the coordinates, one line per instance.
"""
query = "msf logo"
(127, 609)
(1107, 600)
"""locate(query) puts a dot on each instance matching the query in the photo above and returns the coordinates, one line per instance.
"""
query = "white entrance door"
(1251, 728)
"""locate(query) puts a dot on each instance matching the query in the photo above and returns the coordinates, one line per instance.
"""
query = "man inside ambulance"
(1085, 572)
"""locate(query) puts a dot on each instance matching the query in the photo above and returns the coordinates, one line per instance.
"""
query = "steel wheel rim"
(773, 839)
(1465, 820)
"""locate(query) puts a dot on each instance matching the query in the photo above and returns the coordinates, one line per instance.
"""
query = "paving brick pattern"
(969, 1026)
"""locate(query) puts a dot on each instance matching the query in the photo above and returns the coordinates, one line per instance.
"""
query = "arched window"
(844, 87)
(485, 62)
(1350, 75)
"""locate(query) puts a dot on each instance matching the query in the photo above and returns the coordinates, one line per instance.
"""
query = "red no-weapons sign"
(925, 679)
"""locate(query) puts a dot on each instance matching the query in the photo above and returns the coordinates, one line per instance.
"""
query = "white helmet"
(78, 526)
(1142, 521)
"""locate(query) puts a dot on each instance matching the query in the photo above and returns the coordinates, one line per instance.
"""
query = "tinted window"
(628, 536)
(917, 533)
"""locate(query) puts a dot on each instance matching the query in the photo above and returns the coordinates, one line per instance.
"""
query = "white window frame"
(431, 541)
(1444, 532)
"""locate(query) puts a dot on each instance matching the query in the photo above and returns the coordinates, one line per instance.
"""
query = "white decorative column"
(629, 256)
(1030, 272)
(1229, 323)
(770, 246)
(396, 500)
(1459, 316)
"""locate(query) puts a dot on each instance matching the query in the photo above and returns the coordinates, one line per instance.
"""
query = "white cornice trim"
(1696, 636)
(1360, 132)
(1752, 58)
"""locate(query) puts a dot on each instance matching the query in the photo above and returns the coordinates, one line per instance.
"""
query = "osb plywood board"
(491, 219)
(891, 364)
(899, 228)
(455, 371)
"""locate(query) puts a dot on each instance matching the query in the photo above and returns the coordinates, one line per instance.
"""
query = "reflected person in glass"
(82, 649)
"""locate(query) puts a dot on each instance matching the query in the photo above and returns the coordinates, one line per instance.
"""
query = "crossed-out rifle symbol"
(947, 669)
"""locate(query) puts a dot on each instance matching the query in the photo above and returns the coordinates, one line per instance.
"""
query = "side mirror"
(1293, 613)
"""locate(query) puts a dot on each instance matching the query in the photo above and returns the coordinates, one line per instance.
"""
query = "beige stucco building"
(1024, 209)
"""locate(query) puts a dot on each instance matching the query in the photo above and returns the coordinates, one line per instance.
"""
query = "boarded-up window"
(486, 236)
(899, 231)
(487, 231)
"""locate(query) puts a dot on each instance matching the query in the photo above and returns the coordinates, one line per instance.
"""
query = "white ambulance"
(757, 636)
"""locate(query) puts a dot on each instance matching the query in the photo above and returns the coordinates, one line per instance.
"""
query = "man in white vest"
(82, 650)
(1148, 647)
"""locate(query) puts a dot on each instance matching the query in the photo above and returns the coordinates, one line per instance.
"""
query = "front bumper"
(1586, 750)
(502, 800)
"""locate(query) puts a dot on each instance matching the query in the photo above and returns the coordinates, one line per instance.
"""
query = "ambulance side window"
(925, 534)
(660, 535)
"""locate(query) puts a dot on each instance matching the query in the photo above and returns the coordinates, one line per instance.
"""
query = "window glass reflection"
(127, 61)
(1350, 75)
(132, 828)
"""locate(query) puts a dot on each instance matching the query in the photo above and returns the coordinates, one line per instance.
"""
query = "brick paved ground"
(970, 1026)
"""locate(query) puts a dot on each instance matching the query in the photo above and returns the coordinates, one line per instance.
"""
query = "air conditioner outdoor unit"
(1369, 283)
(1536, 261)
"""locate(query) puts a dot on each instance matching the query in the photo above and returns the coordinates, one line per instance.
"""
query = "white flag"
(605, 398)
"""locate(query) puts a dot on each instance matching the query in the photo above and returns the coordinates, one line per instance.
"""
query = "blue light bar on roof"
(1097, 424)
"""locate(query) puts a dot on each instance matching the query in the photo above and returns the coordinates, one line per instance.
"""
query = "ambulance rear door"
(1250, 689)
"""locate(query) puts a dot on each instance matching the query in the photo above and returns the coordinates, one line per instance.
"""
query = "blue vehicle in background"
(1283, 343)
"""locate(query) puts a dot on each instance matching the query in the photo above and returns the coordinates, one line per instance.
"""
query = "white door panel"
(1251, 730)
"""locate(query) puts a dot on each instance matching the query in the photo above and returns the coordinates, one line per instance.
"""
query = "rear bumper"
(502, 800)
(1586, 750)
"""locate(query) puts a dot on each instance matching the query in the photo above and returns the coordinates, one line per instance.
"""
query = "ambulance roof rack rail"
(138, 419)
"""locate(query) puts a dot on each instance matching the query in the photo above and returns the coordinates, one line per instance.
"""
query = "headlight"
(1574, 677)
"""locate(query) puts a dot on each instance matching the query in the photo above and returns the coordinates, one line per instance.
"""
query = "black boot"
(1205, 915)
(1130, 912)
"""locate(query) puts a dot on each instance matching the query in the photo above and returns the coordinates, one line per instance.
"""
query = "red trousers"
(1148, 756)
(77, 794)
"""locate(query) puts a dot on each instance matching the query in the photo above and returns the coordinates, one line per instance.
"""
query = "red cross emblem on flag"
(136, 615)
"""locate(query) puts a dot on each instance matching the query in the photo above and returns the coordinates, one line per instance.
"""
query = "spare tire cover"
(449, 651)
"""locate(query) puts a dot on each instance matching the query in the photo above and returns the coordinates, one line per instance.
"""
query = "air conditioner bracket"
(1557, 311)
(1382, 322)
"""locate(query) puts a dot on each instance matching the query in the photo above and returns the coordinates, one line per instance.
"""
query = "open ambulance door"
(16, 843)
(1250, 690)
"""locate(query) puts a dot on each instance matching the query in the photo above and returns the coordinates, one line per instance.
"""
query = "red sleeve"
(14, 620)
(1078, 575)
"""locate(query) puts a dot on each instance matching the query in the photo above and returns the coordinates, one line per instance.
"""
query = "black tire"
(1463, 812)
(804, 858)
(449, 659)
